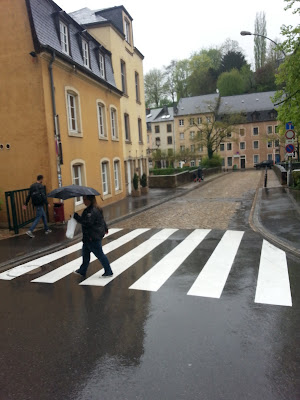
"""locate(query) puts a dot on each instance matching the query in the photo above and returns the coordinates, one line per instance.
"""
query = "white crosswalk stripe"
(212, 278)
(273, 286)
(158, 275)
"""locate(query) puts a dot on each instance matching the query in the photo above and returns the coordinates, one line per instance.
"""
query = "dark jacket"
(37, 194)
(93, 224)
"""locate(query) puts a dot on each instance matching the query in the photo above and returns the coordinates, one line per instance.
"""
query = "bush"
(215, 161)
(135, 181)
(143, 180)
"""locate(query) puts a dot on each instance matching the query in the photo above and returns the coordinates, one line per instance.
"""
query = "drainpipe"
(56, 126)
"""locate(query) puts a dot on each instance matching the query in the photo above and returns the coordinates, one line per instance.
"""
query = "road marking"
(158, 275)
(273, 285)
(130, 258)
(69, 267)
(211, 280)
(39, 262)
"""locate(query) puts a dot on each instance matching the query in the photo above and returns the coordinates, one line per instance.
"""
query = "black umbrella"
(67, 192)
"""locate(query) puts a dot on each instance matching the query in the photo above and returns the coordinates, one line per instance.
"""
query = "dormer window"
(64, 37)
(127, 31)
(85, 53)
(101, 66)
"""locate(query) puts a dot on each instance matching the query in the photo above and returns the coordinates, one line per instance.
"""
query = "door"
(243, 162)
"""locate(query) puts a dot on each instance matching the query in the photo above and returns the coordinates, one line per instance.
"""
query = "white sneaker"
(48, 231)
(30, 234)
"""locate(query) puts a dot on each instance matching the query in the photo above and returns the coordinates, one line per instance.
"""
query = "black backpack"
(37, 197)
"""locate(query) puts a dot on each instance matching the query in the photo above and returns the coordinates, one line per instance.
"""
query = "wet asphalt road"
(65, 341)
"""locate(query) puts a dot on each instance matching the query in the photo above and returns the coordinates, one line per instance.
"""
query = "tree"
(288, 77)
(155, 87)
(259, 41)
(216, 128)
(230, 45)
(203, 74)
(265, 78)
(232, 59)
(231, 83)
(171, 81)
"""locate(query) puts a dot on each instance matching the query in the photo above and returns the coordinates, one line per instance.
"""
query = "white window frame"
(199, 120)
(127, 127)
(140, 131)
(231, 160)
(137, 86)
(243, 148)
(268, 129)
(270, 144)
(242, 131)
(64, 38)
(105, 177)
(101, 65)
(114, 123)
(229, 147)
(117, 175)
(191, 121)
(255, 158)
(222, 147)
(181, 122)
(192, 134)
(255, 134)
(72, 112)
(255, 141)
(85, 53)
(127, 30)
(181, 136)
(77, 180)
(123, 76)
(101, 117)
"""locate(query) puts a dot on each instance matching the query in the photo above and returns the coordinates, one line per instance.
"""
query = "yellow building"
(60, 105)
(112, 28)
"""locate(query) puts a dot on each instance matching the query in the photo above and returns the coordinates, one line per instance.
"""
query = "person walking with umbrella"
(93, 230)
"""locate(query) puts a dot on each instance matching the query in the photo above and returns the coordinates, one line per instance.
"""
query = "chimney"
(148, 111)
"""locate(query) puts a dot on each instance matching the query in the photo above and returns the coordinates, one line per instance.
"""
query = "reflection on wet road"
(139, 335)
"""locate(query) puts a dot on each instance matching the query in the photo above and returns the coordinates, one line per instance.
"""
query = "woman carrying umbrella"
(93, 230)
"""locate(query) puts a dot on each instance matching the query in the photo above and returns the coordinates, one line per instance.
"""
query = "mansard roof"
(196, 104)
(247, 103)
(162, 114)
(44, 16)
(112, 15)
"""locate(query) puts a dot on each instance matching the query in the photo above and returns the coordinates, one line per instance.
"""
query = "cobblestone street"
(211, 205)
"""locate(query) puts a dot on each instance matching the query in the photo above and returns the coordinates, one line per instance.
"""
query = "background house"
(254, 140)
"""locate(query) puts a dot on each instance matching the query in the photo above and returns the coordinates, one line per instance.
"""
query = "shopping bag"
(71, 226)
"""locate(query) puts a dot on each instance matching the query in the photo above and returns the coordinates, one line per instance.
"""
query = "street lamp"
(247, 33)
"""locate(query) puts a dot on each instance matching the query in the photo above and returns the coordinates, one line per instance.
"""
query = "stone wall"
(172, 181)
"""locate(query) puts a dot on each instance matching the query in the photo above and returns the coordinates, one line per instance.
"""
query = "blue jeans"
(40, 213)
(96, 248)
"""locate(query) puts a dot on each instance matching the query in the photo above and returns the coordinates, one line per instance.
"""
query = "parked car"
(264, 164)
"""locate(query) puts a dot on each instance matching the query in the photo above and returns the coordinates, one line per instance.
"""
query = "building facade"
(160, 134)
(61, 106)
(254, 140)
(113, 29)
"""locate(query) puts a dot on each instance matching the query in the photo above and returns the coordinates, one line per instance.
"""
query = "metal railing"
(16, 216)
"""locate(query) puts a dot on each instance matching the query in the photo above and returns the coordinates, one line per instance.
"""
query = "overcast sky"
(167, 30)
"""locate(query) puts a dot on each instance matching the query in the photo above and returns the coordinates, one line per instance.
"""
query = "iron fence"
(16, 216)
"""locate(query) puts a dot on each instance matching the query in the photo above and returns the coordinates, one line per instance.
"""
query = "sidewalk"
(276, 215)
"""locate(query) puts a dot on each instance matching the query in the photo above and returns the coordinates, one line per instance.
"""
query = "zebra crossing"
(272, 287)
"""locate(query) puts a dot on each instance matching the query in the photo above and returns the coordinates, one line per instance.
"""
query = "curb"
(256, 225)
(45, 250)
